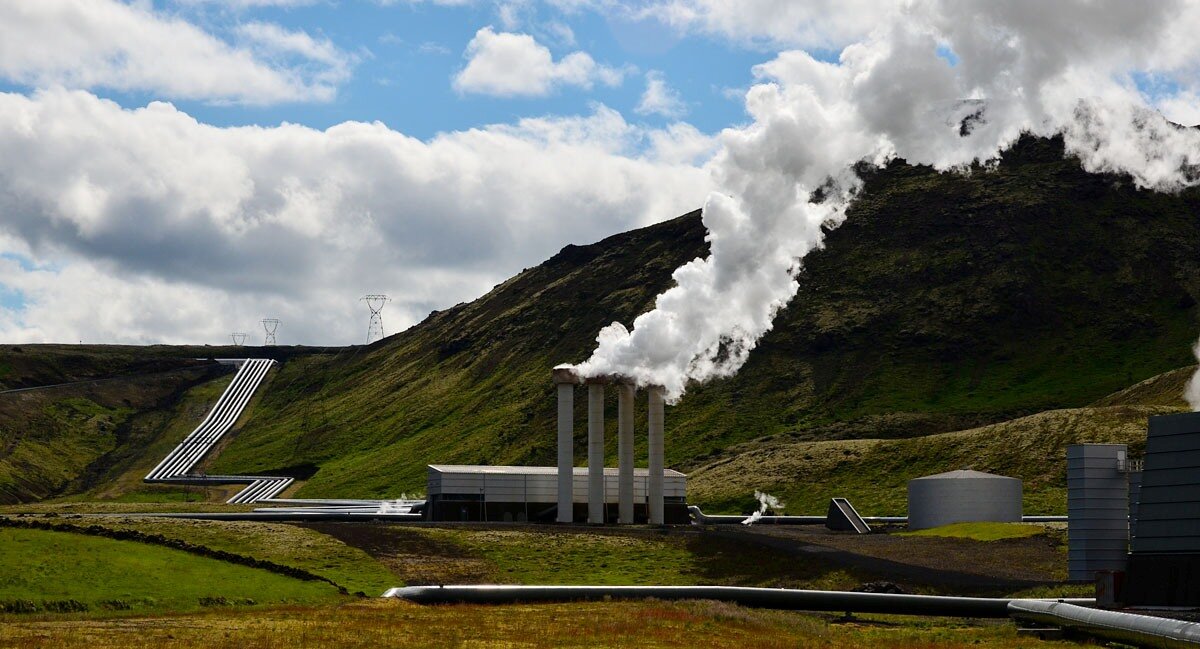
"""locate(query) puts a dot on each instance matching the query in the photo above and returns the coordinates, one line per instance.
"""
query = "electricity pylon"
(270, 325)
(239, 338)
(375, 327)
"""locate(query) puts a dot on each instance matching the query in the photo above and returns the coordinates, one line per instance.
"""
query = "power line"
(270, 325)
(375, 328)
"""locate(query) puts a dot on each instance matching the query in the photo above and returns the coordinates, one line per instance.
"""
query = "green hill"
(1009, 301)
(946, 302)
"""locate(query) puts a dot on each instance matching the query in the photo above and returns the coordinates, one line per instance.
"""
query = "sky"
(177, 170)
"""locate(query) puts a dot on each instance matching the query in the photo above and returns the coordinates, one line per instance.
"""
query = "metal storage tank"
(962, 496)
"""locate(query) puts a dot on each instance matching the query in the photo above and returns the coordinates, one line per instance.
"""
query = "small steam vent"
(963, 496)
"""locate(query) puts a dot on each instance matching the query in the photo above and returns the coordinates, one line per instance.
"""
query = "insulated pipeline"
(735, 519)
(1139, 630)
(775, 598)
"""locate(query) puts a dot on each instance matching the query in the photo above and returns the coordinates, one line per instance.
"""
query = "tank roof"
(964, 474)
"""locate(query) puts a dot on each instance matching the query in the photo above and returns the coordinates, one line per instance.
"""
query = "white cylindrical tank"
(962, 497)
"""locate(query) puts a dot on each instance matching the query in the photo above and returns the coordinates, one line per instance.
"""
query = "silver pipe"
(777, 598)
(734, 519)
(1140, 630)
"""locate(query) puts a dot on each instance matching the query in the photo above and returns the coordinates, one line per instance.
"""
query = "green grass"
(108, 575)
(279, 543)
(981, 531)
(459, 555)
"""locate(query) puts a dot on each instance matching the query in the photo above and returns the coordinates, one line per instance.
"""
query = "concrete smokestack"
(565, 379)
(655, 444)
(625, 394)
(595, 451)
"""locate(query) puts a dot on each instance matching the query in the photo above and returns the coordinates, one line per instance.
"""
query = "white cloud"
(146, 225)
(515, 65)
(130, 47)
(659, 98)
(809, 24)
(1048, 68)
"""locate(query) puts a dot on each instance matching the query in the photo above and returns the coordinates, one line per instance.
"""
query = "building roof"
(534, 470)
(964, 474)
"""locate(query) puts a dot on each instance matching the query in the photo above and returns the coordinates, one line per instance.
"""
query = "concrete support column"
(625, 453)
(566, 445)
(595, 452)
(655, 444)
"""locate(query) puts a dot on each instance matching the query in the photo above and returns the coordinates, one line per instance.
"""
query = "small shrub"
(65, 606)
(115, 605)
(18, 606)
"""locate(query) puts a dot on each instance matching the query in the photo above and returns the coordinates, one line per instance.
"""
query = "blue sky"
(406, 55)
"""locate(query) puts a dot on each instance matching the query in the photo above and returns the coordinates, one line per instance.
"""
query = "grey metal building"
(1097, 509)
(530, 493)
(962, 496)
(1164, 560)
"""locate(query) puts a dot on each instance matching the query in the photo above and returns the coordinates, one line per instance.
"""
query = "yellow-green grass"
(107, 575)
(981, 531)
(434, 555)
(278, 543)
(874, 473)
(379, 623)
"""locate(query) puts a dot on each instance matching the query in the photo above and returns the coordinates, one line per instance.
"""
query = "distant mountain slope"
(945, 302)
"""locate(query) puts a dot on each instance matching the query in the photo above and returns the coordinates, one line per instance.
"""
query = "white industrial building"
(530, 493)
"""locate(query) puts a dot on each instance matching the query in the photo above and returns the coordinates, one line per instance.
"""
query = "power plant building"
(530, 493)
(1164, 559)
(963, 497)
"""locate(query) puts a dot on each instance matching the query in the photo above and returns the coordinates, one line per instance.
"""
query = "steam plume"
(765, 501)
(945, 83)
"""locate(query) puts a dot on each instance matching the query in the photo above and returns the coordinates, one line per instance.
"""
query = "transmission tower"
(375, 304)
(270, 325)
(239, 338)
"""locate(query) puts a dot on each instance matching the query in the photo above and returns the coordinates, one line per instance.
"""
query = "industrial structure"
(963, 496)
(530, 493)
(1164, 558)
(566, 380)
(1099, 501)
(375, 304)
(270, 326)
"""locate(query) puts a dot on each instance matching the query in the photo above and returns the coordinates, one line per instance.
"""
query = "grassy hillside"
(51, 569)
(946, 302)
(67, 439)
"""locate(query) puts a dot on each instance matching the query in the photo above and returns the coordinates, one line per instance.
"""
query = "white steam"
(945, 83)
(765, 501)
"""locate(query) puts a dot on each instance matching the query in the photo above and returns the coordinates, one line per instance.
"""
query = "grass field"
(105, 575)
(981, 531)
(444, 556)
(374, 624)
(279, 543)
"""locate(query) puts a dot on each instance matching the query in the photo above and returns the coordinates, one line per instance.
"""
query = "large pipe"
(735, 519)
(625, 394)
(1139, 630)
(596, 453)
(777, 598)
(654, 480)
(566, 445)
